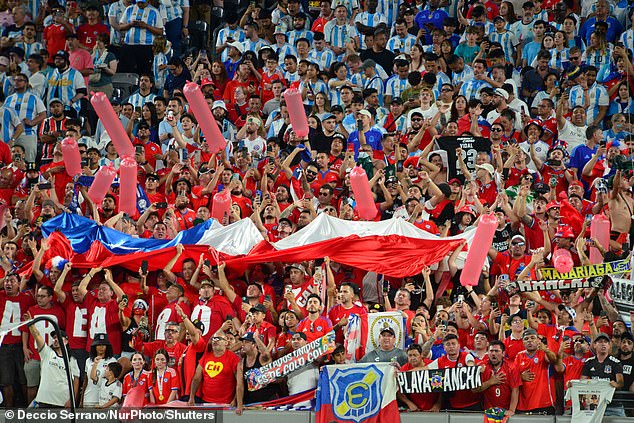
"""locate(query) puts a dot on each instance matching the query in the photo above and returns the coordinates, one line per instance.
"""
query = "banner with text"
(622, 292)
(262, 376)
(440, 380)
(514, 287)
(592, 270)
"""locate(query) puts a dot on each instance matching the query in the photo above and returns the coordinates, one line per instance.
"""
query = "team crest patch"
(356, 393)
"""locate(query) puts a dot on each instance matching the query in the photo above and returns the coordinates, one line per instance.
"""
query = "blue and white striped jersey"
(395, 86)
(508, 41)
(137, 100)
(369, 19)
(339, 36)
(115, 12)
(283, 51)
(627, 38)
(30, 48)
(313, 88)
(323, 58)
(225, 33)
(401, 45)
(255, 46)
(64, 86)
(598, 97)
(465, 75)
(389, 9)
(9, 121)
(471, 88)
(140, 36)
(26, 106)
(174, 10)
(294, 35)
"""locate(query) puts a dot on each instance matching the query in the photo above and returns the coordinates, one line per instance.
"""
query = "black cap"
(258, 307)
(31, 166)
(199, 325)
(248, 337)
(63, 54)
(627, 335)
(387, 329)
(152, 176)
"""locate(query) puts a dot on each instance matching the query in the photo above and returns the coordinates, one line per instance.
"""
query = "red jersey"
(540, 393)
(534, 234)
(163, 383)
(487, 193)
(212, 313)
(152, 150)
(266, 330)
(169, 314)
(513, 347)
(460, 399)
(338, 312)
(55, 36)
(76, 322)
(574, 366)
(157, 302)
(129, 382)
(104, 318)
(314, 330)
(191, 356)
(11, 310)
(44, 327)
(424, 402)
(504, 264)
(175, 352)
(88, 33)
(219, 377)
(428, 226)
(500, 395)
(61, 178)
(185, 219)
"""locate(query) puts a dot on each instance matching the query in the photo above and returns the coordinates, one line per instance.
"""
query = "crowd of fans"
(543, 87)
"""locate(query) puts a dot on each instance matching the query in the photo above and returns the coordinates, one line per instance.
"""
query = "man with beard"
(536, 365)
(535, 225)
(253, 142)
(51, 129)
(378, 52)
(108, 207)
(184, 215)
(255, 355)
(605, 367)
(103, 310)
(44, 307)
(574, 363)
(512, 261)
(414, 137)
(315, 325)
(627, 359)
(219, 110)
(338, 315)
(500, 380)
(66, 84)
(336, 154)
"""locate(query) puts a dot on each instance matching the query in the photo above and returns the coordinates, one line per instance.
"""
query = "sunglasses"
(310, 172)
(417, 120)
(446, 90)
(517, 244)
(496, 129)
(218, 338)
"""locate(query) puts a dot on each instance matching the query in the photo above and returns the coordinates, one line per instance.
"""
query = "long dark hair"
(93, 351)
(167, 359)
(154, 121)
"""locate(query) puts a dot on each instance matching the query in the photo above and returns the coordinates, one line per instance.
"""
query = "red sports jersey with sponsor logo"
(314, 330)
(163, 383)
(540, 393)
(500, 395)
(129, 382)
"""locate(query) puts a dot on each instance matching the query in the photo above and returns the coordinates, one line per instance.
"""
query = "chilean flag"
(357, 393)
(393, 247)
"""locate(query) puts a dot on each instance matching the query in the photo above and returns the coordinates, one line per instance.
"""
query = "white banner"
(589, 399)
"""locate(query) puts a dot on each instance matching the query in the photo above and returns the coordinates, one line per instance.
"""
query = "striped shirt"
(313, 88)
(339, 35)
(225, 33)
(294, 35)
(9, 121)
(508, 41)
(159, 74)
(323, 58)
(351, 5)
(471, 88)
(30, 48)
(597, 58)
(256, 45)
(627, 38)
(116, 11)
(140, 36)
(27, 106)
(598, 97)
(175, 9)
(401, 45)
(558, 59)
(138, 100)
(283, 51)
(389, 8)
(65, 86)
(465, 75)
(395, 86)
(369, 19)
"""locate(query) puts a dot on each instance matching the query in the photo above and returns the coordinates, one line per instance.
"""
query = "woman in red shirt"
(164, 384)
(137, 378)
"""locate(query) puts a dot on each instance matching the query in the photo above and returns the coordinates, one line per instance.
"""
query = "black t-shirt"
(502, 238)
(384, 58)
(607, 370)
(628, 373)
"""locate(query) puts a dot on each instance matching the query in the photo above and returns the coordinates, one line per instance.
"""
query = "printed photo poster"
(589, 399)
(379, 321)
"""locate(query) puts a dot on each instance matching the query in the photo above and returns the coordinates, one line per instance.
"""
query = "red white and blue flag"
(357, 393)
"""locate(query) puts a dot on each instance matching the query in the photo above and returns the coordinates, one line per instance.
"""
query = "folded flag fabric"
(357, 393)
